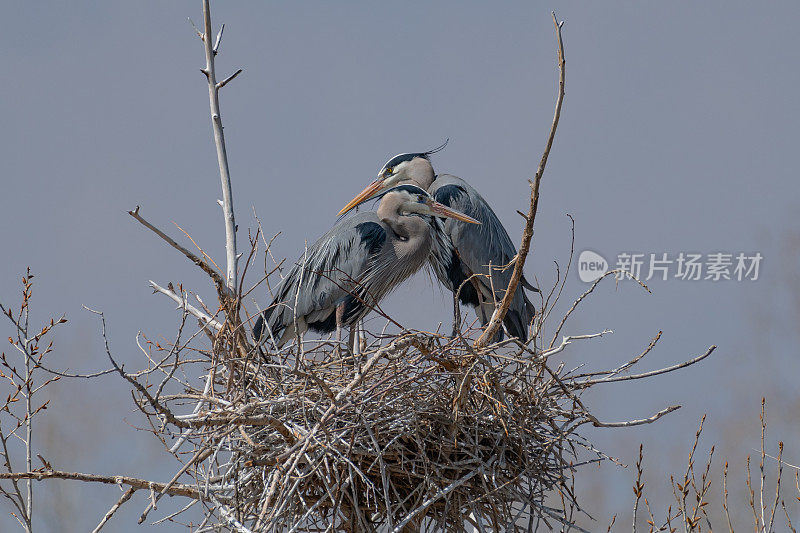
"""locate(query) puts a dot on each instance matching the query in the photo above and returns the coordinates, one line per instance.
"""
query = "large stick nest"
(423, 432)
(418, 432)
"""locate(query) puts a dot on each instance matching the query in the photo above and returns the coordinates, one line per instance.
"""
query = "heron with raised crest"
(480, 263)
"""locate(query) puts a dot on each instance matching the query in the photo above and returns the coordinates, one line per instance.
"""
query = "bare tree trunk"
(219, 140)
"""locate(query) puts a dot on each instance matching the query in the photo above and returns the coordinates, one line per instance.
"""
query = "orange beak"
(444, 211)
(371, 190)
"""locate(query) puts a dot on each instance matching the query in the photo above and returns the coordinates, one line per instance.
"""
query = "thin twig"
(193, 258)
(651, 373)
(183, 304)
(630, 423)
(638, 486)
(125, 497)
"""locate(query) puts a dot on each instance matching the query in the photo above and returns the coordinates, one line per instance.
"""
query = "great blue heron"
(467, 271)
(350, 268)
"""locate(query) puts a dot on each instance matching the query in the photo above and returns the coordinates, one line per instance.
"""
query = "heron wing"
(478, 246)
(326, 275)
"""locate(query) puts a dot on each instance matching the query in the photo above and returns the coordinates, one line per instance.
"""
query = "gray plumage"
(353, 266)
(475, 246)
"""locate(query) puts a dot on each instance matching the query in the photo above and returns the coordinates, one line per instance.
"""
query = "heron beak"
(444, 211)
(372, 189)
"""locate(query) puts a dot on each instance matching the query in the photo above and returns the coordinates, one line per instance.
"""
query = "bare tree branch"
(630, 423)
(193, 258)
(219, 141)
(230, 78)
(183, 304)
(124, 498)
(651, 373)
(527, 233)
(199, 456)
(177, 489)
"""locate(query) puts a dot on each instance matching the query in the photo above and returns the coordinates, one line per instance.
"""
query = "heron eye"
(388, 170)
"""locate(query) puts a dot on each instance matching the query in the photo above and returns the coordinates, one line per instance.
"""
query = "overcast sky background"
(679, 133)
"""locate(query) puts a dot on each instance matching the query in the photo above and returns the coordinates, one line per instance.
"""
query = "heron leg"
(361, 338)
(355, 343)
(339, 317)
(456, 317)
(351, 341)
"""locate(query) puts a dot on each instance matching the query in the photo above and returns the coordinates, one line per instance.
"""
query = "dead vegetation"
(700, 494)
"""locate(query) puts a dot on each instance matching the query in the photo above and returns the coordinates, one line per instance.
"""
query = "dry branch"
(183, 304)
(692, 502)
(205, 267)
(527, 232)
(124, 498)
(219, 140)
(652, 373)
(177, 489)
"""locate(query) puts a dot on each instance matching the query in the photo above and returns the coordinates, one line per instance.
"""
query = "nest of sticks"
(418, 432)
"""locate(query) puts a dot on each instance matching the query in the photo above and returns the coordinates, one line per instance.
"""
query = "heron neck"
(412, 236)
(420, 173)
(415, 245)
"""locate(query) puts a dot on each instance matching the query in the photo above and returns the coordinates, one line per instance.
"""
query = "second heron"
(478, 267)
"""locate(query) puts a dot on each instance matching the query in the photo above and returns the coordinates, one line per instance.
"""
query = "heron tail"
(519, 317)
(527, 285)
(258, 328)
(515, 325)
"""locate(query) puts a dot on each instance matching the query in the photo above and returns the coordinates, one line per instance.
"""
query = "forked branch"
(232, 279)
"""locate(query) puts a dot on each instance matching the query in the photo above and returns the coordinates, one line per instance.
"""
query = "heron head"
(412, 199)
(413, 168)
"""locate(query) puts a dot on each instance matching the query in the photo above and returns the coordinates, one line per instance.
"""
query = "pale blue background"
(679, 133)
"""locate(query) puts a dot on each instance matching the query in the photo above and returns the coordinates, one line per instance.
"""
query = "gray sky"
(679, 133)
